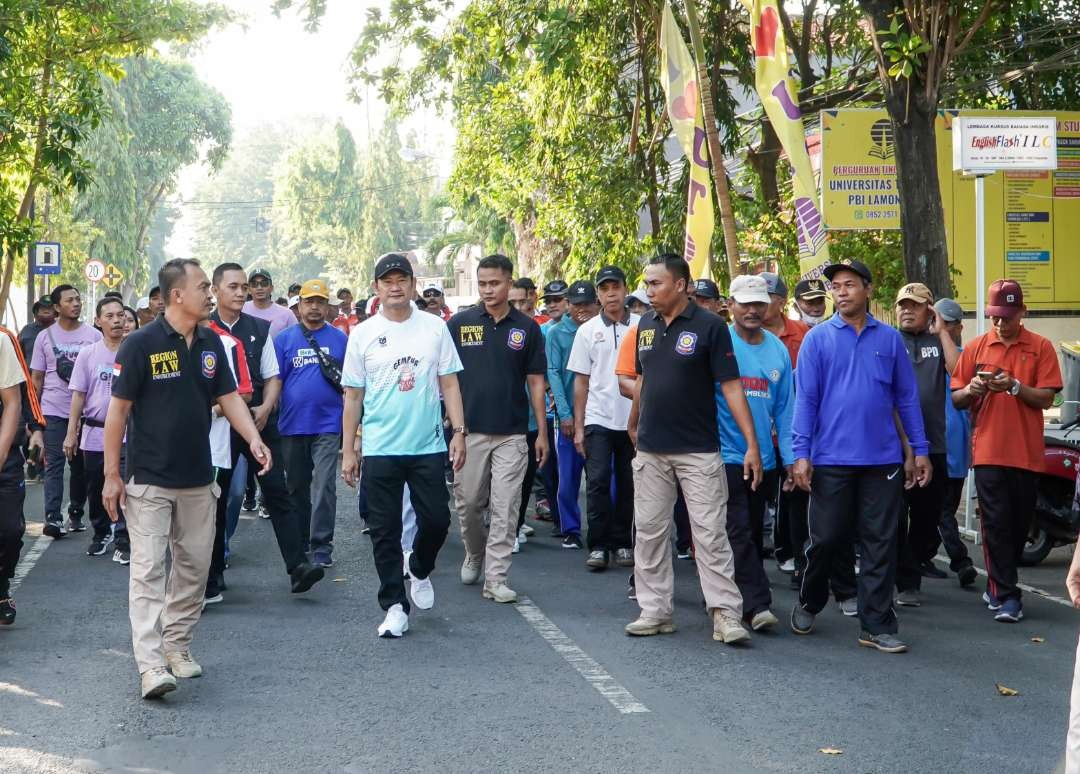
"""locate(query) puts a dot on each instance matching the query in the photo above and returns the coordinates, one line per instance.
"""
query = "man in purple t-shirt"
(50, 369)
(262, 303)
(91, 390)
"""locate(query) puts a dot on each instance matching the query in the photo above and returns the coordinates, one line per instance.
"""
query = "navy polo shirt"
(497, 356)
(172, 389)
(680, 365)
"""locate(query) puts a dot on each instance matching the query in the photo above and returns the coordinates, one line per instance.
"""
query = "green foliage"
(53, 57)
(904, 52)
(324, 209)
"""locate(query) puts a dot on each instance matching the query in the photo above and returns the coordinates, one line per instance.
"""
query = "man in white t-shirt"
(600, 417)
(396, 365)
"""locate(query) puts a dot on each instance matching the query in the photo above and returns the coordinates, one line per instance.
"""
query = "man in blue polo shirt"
(765, 371)
(854, 386)
(310, 419)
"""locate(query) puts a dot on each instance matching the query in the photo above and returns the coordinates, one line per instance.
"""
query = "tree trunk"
(765, 159)
(922, 217)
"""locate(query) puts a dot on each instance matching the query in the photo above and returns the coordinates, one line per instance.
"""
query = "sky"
(271, 68)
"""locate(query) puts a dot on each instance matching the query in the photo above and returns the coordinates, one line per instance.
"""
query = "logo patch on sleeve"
(516, 339)
(209, 364)
(686, 343)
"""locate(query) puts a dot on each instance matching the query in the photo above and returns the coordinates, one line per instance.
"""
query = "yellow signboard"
(1032, 218)
(112, 277)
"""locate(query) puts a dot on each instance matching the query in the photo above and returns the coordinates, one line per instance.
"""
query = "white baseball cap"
(431, 284)
(144, 303)
(750, 289)
(294, 301)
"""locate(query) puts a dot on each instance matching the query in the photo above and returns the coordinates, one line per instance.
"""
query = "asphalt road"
(303, 684)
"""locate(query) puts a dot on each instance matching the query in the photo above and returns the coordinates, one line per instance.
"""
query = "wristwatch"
(463, 430)
(1015, 389)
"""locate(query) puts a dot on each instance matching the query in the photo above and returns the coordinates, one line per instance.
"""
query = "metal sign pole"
(980, 328)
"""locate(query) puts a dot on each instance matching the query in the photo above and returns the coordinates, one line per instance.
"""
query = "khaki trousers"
(164, 610)
(1072, 742)
(704, 487)
(492, 476)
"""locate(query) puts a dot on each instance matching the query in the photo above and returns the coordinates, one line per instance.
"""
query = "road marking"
(594, 674)
(1022, 586)
(26, 564)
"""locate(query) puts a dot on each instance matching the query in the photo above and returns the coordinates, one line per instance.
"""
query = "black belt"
(92, 422)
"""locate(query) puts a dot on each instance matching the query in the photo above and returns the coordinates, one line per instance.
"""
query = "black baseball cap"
(525, 282)
(706, 288)
(810, 289)
(258, 272)
(774, 283)
(45, 300)
(610, 273)
(847, 264)
(393, 262)
(581, 292)
(555, 289)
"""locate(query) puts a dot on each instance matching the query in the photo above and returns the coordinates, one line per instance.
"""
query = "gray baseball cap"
(776, 286)
(949, 310)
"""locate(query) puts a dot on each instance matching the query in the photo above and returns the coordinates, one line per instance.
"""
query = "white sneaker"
(405, 566)
(523, 536)
(788, 566)
(517, 546)
(527, 531)
(395, 624)
(422, 593)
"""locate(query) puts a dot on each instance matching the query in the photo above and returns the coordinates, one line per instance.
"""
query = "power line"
(271, 203)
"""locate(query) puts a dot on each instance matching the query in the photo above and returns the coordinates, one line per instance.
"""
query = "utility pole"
(30, 272)
(716, 156)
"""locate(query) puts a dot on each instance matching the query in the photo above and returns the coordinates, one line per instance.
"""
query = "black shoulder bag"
(328, 364)
(64, 364)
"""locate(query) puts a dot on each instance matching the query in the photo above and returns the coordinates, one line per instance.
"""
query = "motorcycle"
(1055, 523)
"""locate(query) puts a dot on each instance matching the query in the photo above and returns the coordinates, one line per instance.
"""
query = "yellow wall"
(1032, 219)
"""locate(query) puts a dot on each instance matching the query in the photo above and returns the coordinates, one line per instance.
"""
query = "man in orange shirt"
(1007, 377)
(791, 332)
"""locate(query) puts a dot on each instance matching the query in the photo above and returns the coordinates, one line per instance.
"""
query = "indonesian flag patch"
(115, 370)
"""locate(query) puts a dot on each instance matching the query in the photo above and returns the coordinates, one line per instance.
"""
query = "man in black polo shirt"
(683, 353)
(167, 376)
(230, 290)
(501, 350)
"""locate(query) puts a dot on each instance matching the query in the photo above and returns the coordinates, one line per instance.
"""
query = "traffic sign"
(112, 277)
(94, 271)
(46, 258)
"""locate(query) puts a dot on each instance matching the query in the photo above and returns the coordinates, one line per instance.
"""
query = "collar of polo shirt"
(200, 331)
(838, 322)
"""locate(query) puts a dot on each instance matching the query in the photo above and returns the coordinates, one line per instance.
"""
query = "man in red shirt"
(790, 332)
(1007, 377)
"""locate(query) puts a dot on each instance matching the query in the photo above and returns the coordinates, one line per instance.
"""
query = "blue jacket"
(560, 340)
(765, 371)
(846, 389)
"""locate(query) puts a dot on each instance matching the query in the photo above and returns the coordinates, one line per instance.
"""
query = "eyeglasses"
(260, 283)
(431, 293)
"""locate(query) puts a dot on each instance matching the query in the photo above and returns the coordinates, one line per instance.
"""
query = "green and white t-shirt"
(398, 364)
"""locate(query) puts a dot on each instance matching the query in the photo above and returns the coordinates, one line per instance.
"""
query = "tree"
(52, 57)
(915, 46)
(161, 118)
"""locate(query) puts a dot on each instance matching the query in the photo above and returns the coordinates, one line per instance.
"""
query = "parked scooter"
(1055, 523)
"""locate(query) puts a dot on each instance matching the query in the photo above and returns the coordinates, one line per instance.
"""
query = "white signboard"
(984, 145)
(94, 271)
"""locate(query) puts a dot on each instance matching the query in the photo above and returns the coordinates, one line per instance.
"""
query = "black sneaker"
(213, 592)
(304, 576)
(249, 504)
(631, 589)
(572, 541)
(53, 529)
(7, 611)
(598, 560)
(802, 621)
(75, 525)
(122, 556)
(886, 643)
(967, 576)
(98, 546)
(931, 570)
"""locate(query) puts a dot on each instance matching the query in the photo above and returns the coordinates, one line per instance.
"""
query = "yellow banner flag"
(678, 76)
(781, 104)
